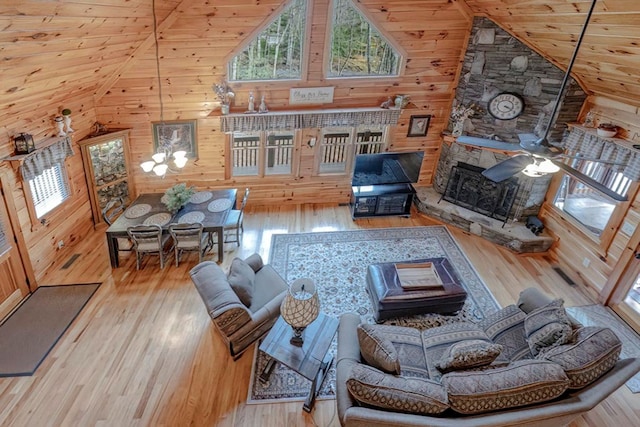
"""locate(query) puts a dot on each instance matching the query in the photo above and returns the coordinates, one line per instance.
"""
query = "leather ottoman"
(390, 299)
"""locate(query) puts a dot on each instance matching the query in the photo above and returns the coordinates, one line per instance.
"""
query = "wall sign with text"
(311, 95)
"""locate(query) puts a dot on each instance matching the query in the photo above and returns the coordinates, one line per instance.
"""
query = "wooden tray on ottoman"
(438, 290)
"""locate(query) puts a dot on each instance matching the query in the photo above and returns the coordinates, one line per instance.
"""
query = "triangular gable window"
(358, 49)
(276, 53)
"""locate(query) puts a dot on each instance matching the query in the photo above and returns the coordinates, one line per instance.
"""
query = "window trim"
(402, 63)
(270, 19)
(262, 151)
(600, 243)
(47, 217)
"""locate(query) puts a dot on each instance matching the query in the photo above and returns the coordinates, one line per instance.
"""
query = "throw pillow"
(241, 279)
(524, 382)
(372, 387)
(593, 353)
(377, 350)
(506, 327)
(547, 326)
(468, 354)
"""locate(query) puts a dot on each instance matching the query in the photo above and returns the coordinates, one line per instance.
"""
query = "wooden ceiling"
(54, 50)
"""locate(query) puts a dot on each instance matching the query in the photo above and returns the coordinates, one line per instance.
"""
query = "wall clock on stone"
(506, 106)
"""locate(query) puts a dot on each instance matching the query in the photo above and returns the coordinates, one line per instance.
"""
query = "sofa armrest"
(255, 262)
(222, 303)
(348, 355)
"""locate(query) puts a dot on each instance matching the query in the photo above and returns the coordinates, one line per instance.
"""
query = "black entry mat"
(27, 336)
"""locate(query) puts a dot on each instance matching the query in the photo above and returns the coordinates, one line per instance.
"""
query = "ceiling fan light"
(179, 154)
(533, 171)
(547, 166)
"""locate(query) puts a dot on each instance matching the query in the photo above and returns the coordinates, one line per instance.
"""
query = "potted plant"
(177, 196)
(225, 95)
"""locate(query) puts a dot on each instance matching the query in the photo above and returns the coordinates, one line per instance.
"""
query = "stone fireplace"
(473, 203)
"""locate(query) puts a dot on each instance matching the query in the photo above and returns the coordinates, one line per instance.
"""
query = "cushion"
(408, 345)
(468, 354)
(506, 327)
(594, 351)
(524, 382)
(241, 279)
(436, 342)
(377, 350)
(372, 387)
(547, 326)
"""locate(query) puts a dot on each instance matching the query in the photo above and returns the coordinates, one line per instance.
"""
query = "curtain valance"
(282, 120)
(36, 163)
(592, 146)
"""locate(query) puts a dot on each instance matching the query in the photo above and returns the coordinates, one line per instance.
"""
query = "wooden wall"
(194, 51)
(587, 261)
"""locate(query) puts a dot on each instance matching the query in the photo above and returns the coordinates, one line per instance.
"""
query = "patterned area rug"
(598, 315)
(337, 262)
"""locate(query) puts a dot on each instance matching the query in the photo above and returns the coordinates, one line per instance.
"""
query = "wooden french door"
(625, 299)
(13, 280)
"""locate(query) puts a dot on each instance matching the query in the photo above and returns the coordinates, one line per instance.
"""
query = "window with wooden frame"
(357, 48)
(339, 145)
(262, 153)
(49, 189)
(276, 52)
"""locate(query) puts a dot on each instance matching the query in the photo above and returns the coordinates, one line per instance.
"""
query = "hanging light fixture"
(160, 160)
(540, 167)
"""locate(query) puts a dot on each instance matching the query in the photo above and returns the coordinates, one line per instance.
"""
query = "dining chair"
(111, 211)
(189, 237)
(148, 239)
(233, 226)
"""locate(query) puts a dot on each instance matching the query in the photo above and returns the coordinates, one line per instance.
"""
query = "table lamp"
(300, 307)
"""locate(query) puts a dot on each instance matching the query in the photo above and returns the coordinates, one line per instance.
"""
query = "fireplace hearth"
(467, 187)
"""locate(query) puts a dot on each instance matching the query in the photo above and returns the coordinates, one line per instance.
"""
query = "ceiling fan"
(539, 153)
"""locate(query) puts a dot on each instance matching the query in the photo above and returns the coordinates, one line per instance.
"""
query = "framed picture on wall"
(418, 125)
(175, 135)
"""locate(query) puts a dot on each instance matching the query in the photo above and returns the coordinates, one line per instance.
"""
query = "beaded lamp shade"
(300, 307)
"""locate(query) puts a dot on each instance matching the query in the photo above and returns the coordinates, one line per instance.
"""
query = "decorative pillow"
(377, 350)
(468, 354)
(593, 353)
(436, 341)
(241, 279)
(372, 387)
(548, 326)
(524, 382)
(506, 327)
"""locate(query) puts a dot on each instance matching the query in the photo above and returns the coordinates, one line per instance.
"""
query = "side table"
(312, 360)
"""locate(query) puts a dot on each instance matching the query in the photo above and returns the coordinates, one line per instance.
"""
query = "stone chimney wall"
(496, 62)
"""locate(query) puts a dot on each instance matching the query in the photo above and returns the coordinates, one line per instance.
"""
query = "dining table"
(210, 208)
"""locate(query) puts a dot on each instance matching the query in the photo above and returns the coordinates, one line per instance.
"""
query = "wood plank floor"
(143, 352)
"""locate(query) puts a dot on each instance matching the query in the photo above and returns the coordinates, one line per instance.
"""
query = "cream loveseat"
(565, 379)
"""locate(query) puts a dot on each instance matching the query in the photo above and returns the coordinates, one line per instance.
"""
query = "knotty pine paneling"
(573, 246)
(194, 51)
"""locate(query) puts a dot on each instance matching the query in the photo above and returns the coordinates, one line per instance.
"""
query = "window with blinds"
(49, 189)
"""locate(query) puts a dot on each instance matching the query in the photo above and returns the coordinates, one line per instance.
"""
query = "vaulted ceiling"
(51, 50)
(608, 63)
